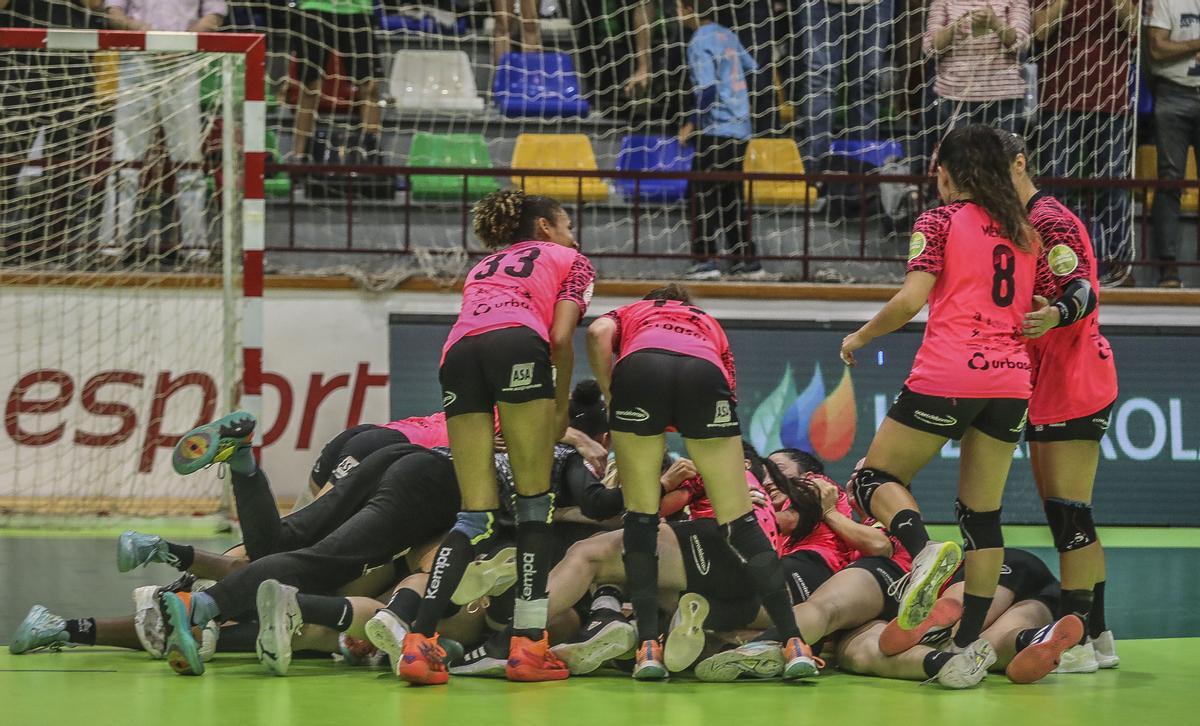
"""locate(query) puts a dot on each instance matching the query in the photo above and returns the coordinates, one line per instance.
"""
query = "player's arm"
(588, 448)
(868, 540)
(562, 357)
(902, 308)
(1163, 49)
(600, 338)
(1076, 303)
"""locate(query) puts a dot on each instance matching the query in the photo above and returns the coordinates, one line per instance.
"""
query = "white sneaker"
(760, 659)
(605, 638)
(968, 667)
(148, 621)
(932, 566)
(1079, 659)
(278, 620)
(685, 638)
(386, 632)
(209, 636)
(1106, 650)
(490, 576)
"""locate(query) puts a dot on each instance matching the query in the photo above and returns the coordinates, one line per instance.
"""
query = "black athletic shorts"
(1000, 418)
(1084, 428)
(350, 35)
(348, 449)
(510, 365)
(1026, 576)
(654, 389)
(715, 571)
(886, 573)
(805, 571)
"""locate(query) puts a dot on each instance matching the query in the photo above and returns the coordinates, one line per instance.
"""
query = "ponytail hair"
(672, 291)
(978, 162)
(510, 215)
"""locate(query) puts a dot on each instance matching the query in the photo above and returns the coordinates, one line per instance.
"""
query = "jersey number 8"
(1004, 267)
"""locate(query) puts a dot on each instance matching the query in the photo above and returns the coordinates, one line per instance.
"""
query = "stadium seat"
(540, 85)
(873, 153)
(558, 151)
(450, 150)
(1147, 168)
(777, 156)
(654, 153)
(434, 80)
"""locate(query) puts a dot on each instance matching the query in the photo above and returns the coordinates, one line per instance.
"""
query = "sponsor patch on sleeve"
(1062, 260)
(916, 245)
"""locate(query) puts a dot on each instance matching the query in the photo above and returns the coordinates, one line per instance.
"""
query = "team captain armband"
(1077, 302)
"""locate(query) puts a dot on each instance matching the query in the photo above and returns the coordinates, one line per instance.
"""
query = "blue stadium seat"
(874, 153)
(654, 153)
(539, 85)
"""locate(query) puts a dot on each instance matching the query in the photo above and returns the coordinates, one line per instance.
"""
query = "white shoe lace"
(898, 586)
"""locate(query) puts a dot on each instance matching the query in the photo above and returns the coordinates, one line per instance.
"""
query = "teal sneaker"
(182, 653)
(135, 549)
(40, 629)
(213, 442)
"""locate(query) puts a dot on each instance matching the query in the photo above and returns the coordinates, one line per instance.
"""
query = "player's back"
(673, 326)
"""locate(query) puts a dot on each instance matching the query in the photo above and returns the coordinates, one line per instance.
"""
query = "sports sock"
(1096, 624)
(204, 608)
(1078, 603)
(535, 552)
(179, 556)
(975, 608)
(449, 564)
(404, 604)
(640, 541)
(908, 527)
(81, 631)
(935, 661)
(238, 638)
(332, 612)
(607, 597)
(1025, 638)
(764, 571)
(242, 461)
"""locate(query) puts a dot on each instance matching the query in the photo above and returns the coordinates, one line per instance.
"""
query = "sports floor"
(1152, 594)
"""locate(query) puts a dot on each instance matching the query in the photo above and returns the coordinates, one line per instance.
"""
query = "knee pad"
(747, 539)
(866, 481)
(1071, 524)
(538, 508)
(640, 533)
(476, 526)
(980, 530)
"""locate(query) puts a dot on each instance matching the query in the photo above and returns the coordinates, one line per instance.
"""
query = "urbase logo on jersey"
(808, 420)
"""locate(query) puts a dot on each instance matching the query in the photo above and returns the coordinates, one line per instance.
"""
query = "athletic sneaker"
(946, 612)
(649, 662)
(968, 667)
(213, 442)
(423, 662)
(932, 566)
(1079, 659)
(685, 638)
(489, 576)
(278, 620)
(758, 659)
(799, 660)
(531, 660)
(1041, 656)
(489, 660)
(706, 270)
(40, 629)
(135, 549)
(210, 634)
(386, 631)
(1106, 650)
(607, 636)
(359, 653)
(148, 621)
(182, 653)
(752, 270)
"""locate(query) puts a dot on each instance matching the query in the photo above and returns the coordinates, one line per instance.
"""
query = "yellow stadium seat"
(105, 67)
(776, 156)
(1147, 168)
(558, 151)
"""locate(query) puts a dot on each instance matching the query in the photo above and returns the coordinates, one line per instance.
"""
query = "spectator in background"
(977, 44)
(1173, 39)
(502, 18)
(836, 44)
(753, 21)
(720, 126)
(148, 96)
(1085, 114)
(344, 27)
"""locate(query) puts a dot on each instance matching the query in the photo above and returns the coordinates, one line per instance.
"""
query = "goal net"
(130, 214)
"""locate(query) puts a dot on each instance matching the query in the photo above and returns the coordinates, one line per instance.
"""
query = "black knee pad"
(747, 539)
(640, 533)
(1071, 524)
(980, 530)
(867, 480)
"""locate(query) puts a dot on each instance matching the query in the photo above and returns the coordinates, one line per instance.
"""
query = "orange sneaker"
(946, 612)
(799, 661)
(649, 663)
(423, 662)
(531, 660)
(1041, 657)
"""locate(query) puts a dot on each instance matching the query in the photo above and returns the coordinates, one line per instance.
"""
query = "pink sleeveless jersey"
(427, 431)
(519, 286)
(1074, 374)
(676, 327)
(824, 541)
(973, 346)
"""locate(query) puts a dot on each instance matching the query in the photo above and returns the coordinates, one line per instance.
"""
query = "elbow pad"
(1077, 302)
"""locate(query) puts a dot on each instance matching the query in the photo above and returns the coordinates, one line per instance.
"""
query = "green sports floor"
(1152, 594)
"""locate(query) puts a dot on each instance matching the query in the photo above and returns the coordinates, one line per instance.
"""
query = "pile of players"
(532, 532)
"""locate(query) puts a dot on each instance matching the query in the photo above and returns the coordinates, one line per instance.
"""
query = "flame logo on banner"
(807, 420)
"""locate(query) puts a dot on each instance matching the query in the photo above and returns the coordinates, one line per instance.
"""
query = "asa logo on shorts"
(916, 245)
(723, 416)
(448, 398)
(1062, 260)
(933, 419)
(636, 415)
(698, 555)
(521, 378)
(344, 467)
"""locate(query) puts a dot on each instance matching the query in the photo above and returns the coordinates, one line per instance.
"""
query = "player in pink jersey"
(1074, 388)
(521, 306)
(973, 260)
(675, 368)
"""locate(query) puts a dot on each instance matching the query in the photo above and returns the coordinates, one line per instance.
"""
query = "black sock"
(82, 631)
(975, 609)
(908, 527)
(404, 604)
(764, 571)
(640, 540)
(1096, 624)
(1077, 603)
(332, 612)
(449, 564)
(1025, 638)
(182, 556)
(535, 554)
(935, 661)
(238, 638)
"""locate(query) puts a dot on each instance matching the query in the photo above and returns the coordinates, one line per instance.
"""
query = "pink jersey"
(700, 507)
(519, 286)
(427, 431)
(824, 541)
(1074, 374)
(672, 326)
(973, 346)
(899, 555)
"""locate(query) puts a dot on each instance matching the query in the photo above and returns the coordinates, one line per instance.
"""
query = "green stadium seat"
(450, 150)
